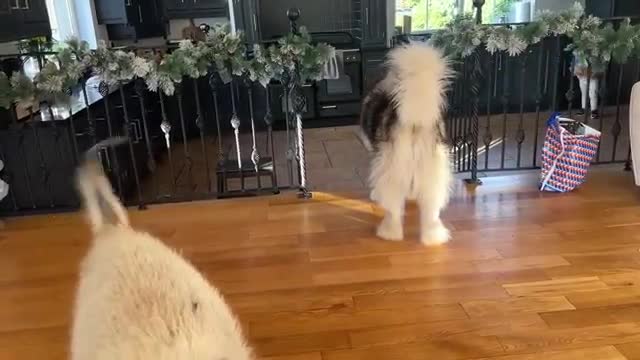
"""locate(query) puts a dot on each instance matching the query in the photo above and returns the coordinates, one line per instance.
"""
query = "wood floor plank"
(308, 356)
(421, 298)
(555, 287)
(605, 297)
(434, 331)
(630, 350)
(455, 347)
(523, 263)
(301, 343)
(286, 324)
(596, 353)
(616, 314)
(516, 306)
(532, 341)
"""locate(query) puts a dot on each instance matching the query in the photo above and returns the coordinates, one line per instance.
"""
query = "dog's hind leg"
(391, 226)
(433, 195)
(389, 188)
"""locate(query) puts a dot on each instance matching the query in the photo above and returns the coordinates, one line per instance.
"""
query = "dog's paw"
(391, 231)
(436, 234)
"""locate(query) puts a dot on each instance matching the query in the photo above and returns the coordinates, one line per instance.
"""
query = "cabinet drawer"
(339, 109)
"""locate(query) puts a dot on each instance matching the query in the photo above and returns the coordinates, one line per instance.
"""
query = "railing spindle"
(268, 119)
(520, 133)
(255, 156)
(105, 91)
(45, 173)
(188, 161)
(221, 182)
(487, 139)
(505, 106)
(151, 161)
(200, 125)
(134, 165)
(617, 128)
(166, 127)
(21, 138)
(538, 103)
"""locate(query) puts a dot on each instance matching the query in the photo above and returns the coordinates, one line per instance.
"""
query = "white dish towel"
(331, 70)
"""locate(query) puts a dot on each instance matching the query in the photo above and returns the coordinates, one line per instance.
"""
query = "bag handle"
(555, 161)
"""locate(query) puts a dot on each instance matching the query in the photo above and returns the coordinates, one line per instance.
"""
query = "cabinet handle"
(140, 14)
(255, 23)
(329, 107)
(366, 16)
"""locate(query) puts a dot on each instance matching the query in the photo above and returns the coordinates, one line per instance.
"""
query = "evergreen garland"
(591, 40)
(222, 52)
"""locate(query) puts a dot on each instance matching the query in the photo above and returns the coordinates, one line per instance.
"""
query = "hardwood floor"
(526, 275)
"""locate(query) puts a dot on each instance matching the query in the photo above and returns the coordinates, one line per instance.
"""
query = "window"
(435, 14)
(62, 19)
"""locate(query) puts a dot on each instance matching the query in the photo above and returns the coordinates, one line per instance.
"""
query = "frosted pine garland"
(222, 51)
(591, 40)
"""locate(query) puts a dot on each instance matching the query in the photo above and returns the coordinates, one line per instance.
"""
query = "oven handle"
(329, 107)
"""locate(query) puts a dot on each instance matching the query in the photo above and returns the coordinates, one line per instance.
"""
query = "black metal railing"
(211, 139)
(499, 105)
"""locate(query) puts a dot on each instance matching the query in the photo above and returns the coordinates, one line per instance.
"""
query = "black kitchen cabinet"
(22, 19)
(185, 9)
(374, 23)
(609, 8)
(372, 68)
(130, 19)
(246, 19)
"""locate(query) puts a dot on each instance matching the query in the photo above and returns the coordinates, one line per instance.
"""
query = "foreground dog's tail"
(422, 75)
(100, 203)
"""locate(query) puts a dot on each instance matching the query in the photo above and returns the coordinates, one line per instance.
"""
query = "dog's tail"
(421, 77)
(101, 205)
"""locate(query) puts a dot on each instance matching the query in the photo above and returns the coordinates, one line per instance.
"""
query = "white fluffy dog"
(139, 300)
(402, 124)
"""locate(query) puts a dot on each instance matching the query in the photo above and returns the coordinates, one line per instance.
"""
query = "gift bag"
(569, 148)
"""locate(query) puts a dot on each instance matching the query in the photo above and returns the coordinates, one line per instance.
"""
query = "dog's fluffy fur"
(139, 300)
(401, 123)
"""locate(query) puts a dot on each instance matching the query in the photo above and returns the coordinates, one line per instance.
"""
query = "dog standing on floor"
(138, 299)
(402, 125)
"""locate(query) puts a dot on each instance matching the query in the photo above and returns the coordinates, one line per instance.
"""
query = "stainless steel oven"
(341, 97)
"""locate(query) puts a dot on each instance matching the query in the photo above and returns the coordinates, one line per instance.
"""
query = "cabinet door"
(111, 11)
(145, 13)
(177, 9)
(373, 69)
(35, 19)
(209, 4)
(34, 11)
(9, 21)
(374, 23)
(251, 20)
(176, 5)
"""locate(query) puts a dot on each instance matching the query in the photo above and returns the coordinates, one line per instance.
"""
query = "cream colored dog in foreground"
(137, 299)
